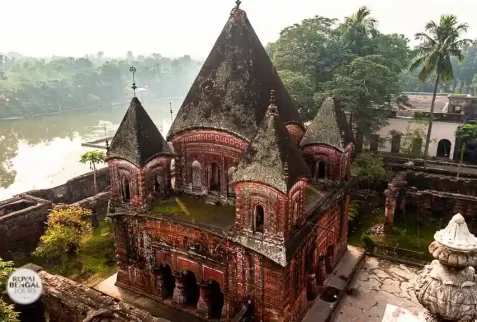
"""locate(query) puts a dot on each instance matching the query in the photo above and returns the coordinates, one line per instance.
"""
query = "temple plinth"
(446, 287)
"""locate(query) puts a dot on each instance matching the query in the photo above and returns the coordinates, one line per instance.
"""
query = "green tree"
(358, 30)
(7, 312)
(365, 88)
(369, 170)
(439, 43)
(465, 133)
(94, 158)
(66, 226)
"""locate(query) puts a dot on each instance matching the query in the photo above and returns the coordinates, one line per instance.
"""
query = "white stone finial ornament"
(456, 235)
(447, 287)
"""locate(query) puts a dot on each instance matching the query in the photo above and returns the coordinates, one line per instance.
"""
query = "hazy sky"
(178, 27)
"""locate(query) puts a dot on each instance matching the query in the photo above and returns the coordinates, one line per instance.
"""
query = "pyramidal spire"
(137, 139)
(272, 157)
(231, 91)
(325, 127)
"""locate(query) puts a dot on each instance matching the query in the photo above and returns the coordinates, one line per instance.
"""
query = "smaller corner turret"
(139, 159)
(327, 145)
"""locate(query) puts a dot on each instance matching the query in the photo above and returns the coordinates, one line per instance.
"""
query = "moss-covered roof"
(195, 211)
(272, 157)
(137, 139)
(328, 127)
(231, 90)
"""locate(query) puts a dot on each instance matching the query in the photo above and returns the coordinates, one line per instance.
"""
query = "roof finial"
(132, 69)
(272, 108)
(170, 110)
(238, 2)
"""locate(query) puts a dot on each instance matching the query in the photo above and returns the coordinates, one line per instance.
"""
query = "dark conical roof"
(328, 127)
(137, 139)
(231, 91)
(272, 157)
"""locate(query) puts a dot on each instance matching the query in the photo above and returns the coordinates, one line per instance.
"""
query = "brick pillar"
(179, 297)
(311, 289)
(142, 193)
(390, 194)
(161, 287)
(203, 306)
(395, 142)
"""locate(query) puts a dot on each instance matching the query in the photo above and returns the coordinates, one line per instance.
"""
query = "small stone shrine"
(446, 287)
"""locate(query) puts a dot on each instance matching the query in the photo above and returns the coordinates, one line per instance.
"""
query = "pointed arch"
(126, 190)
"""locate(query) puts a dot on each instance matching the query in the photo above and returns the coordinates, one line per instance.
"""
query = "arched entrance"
(259, 218)
(159, 182)
(215, 177)
(330, 250)
(196, 175)
(216, 300)
(443, 148)
(191, 289)
(165, 281)
(321, 170)
(126, 190)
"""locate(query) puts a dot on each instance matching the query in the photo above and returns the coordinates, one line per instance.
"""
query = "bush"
(367, 242)
(354, 209)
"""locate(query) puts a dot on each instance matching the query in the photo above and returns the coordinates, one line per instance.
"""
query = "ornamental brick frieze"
(210, 137)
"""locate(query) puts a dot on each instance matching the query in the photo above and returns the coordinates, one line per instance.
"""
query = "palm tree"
(94, 158)
(358, 29)
(439, 43)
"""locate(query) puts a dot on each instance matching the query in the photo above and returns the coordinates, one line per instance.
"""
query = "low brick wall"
(21, 230)
(66, 300)
(75, 189)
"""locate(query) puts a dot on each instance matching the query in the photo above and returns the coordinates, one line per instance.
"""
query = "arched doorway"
(230, 176)
(321, 170)
(443, 148)
(321, 271)
(126, 190)
(159, 182)
(165, 282)
(196, 175)
(216, 299)
(191, 289)
(329, 258)
(259, 218)
(215, 177)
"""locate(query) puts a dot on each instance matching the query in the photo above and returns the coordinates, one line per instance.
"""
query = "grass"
(406, 233)
(94, 262)
(195, 210)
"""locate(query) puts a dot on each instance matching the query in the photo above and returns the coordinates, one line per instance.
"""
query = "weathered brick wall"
(296, 132)
(203, 149)
(21, 230)
(425, 181)
(66, 300)
(75, 189)
(182, 248)
(282, 213)
(331, 156)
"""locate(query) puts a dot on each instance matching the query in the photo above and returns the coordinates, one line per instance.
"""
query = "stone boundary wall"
(22, 229)
(75, 189)
(66, 300)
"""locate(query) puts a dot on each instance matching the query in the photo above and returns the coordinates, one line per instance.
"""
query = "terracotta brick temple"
(256, 219)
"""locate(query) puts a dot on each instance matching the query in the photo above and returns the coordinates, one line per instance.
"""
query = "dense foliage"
(67, 225)
(351, 60)
(7, 313)
(37, 86)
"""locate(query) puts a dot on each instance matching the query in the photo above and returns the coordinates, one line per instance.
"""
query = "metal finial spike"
(170, 109)
(132, 69)
(272, 108)
(238, 2)
(107, 144)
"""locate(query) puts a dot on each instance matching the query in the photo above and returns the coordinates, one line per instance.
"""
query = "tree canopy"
(6, 311)
(351, 60)
(31, 86)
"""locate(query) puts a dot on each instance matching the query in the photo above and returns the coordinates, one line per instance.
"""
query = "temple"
(255, 219)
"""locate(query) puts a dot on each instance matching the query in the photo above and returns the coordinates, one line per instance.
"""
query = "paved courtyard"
(377, 284)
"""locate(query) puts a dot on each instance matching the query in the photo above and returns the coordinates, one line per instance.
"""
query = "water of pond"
(43, 151)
